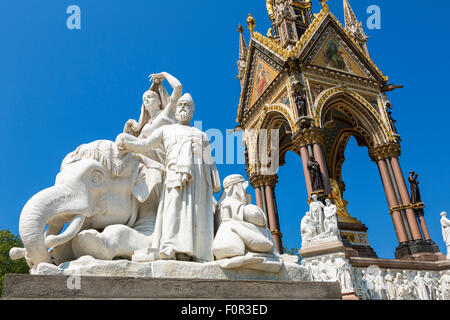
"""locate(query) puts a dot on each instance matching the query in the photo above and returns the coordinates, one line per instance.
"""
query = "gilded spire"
(243, 50)
(350, 17)
(354, 27)
(242, 44)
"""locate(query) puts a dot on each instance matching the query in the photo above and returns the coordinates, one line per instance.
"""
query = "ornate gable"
(329, 45)
(263, 67)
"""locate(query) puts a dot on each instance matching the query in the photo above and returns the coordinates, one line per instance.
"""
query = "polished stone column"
(259, 198)
(305, 156)
(274, 224)
(410, 215)
(392, 202)
(264, 186)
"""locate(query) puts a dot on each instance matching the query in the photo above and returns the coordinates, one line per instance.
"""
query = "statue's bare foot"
(91, 243)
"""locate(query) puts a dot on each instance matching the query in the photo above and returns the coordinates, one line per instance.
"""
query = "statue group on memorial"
(147, 196)
(320, 223)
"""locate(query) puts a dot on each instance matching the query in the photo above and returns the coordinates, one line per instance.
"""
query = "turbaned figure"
(184, 227)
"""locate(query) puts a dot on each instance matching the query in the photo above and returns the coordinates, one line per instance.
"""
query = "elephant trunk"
(39, 210)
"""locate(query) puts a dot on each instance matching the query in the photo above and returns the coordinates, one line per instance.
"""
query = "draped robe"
(185, 219)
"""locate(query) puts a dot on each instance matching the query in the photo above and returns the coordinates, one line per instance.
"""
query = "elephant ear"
(148, 179)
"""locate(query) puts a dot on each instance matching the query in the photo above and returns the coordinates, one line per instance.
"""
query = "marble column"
(392, 202)
(410, 215)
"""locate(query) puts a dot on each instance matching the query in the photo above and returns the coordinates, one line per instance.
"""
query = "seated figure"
(242, 236)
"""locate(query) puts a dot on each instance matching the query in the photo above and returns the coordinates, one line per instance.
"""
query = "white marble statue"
(390, 287)
(420, 286)
(444, 285)
(242, 238)
(430, 286)
(98, 188)
(184, 228)
(345, 273)
(379, 286)
(330, 223)
(109, 196)
(445, 223)
(307, 228)
(319, 224)
(317, 215)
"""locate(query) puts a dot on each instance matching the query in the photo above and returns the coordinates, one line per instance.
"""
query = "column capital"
(258, 181)
(308, 136)
(385, 151)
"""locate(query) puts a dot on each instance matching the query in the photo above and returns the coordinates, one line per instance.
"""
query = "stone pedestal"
(327, 262)
(62, 287)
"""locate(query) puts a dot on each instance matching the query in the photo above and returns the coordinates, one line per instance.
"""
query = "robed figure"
(184, 228)
(415, 192)
(316, 174)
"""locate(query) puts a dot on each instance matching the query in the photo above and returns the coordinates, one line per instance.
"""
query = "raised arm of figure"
(177, 90)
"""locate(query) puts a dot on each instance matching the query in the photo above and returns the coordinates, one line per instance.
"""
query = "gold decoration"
(269, 6)
(271, 44)
(318, 18)
(343, 89)
(414, 206)
(269, 33)
(340, 203)
(258, 181)
(251, 23)
(385, 151)
(308, 136)
(324, 5)
(277, 233)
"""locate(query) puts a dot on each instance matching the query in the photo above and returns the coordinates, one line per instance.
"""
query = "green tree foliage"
(8, 241)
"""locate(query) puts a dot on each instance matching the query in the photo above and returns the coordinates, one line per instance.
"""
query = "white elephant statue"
(109, 198)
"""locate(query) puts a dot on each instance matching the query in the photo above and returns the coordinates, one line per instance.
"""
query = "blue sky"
(61, 88)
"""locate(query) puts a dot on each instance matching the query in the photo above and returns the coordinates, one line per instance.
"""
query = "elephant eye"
(97, 177)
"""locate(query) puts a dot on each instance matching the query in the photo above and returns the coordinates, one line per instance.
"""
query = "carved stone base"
(56, 287)
(355, 239)
(320, 249)
(419, 251)
(88, 266)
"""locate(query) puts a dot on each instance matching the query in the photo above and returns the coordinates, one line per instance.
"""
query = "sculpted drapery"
(185, 221)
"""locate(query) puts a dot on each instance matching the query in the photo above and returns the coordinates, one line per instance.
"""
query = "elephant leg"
(62, 253)
(115, 241)
(91, 243)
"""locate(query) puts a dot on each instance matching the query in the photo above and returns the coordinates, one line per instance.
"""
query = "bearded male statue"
(184, 228)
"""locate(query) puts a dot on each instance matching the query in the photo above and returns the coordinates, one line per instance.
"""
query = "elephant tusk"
(72, 230)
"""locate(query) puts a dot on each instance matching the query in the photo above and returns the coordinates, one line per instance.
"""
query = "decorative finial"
(251, 23)
(269, 5)
(240, 28)
(269, 33)
(324, 5)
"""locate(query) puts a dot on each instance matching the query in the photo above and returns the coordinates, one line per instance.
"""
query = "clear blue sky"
(62, 88)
